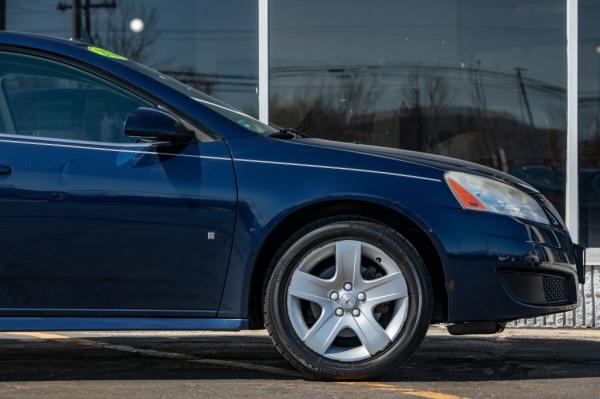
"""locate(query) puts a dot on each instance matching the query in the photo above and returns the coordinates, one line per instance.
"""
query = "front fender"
(274, 183)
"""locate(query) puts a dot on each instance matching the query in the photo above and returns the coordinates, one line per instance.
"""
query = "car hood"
(431, 160)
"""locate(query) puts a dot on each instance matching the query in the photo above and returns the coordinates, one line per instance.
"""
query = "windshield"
(226, 110)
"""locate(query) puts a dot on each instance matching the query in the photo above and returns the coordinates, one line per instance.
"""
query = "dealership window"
(200, 42)
(478, 80)
(589, 123)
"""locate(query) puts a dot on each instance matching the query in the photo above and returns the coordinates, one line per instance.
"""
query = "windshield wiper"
(288, 133)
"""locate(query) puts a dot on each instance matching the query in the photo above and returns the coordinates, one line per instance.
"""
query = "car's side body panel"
(88, 228)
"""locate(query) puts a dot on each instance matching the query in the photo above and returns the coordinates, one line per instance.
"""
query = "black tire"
(317, 234)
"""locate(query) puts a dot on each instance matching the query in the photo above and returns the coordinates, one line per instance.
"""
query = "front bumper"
(499, 268)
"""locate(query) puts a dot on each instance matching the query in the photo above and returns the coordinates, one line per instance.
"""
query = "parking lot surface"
(518, 363)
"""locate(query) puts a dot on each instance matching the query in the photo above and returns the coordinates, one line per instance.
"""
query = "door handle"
(5, 170)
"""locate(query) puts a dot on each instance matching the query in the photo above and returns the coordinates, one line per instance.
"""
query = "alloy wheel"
(347, 300)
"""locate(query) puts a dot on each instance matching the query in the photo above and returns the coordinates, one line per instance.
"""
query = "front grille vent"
(555, 289)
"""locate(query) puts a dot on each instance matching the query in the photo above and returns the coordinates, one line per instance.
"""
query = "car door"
(92, 221)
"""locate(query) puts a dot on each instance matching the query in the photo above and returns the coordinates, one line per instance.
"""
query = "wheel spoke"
(347, 261)
(370, 333)
(322, 334)
(385, 289)
(310, 288)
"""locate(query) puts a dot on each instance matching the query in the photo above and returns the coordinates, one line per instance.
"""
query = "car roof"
(34, 40)
(55, 45)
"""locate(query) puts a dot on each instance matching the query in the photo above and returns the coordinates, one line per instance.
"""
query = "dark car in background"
(131, 201)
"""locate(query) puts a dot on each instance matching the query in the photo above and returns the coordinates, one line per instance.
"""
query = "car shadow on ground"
(440, 358)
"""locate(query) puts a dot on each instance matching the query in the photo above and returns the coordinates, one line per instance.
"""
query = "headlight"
(489, 195)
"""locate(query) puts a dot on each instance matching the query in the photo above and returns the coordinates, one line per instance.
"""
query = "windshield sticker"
(244, 123)
(106, 53)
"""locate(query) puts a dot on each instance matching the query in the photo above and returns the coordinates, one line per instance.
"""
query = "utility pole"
(76, 7)
(76, 24)
(2, 14)
(87, 18)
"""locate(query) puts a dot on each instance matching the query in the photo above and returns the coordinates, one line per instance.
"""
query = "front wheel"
(347, 298)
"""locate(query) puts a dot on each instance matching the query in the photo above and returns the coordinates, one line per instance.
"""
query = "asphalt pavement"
(519, 363)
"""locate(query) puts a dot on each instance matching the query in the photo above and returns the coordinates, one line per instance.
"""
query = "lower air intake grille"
(555, 289)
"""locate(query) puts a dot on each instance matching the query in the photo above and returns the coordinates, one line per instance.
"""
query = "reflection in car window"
(222, 108)
(49, 99)
(239, 117)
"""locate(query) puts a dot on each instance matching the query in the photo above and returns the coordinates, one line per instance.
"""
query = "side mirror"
(155, 124)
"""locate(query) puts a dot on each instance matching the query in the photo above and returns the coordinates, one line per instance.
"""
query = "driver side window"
(45, 98)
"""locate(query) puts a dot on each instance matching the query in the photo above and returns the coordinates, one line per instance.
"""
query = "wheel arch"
(415, 233)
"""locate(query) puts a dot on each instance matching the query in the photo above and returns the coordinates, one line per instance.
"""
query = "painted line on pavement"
(161, 354)
(403, 390)
(38, 335)
(231, 364)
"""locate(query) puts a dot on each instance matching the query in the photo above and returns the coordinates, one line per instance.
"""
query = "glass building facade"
(497, 82)
(589, 122)
(477, 86)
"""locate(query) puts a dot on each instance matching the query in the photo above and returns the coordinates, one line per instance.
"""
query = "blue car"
(130, 201)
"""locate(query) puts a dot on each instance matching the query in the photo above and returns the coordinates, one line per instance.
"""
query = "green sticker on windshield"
(244, 123)
(106, 53)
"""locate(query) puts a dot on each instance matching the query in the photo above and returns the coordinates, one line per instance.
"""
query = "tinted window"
(208, 44)
(589, 123)
(48, 99)
(478, 80)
